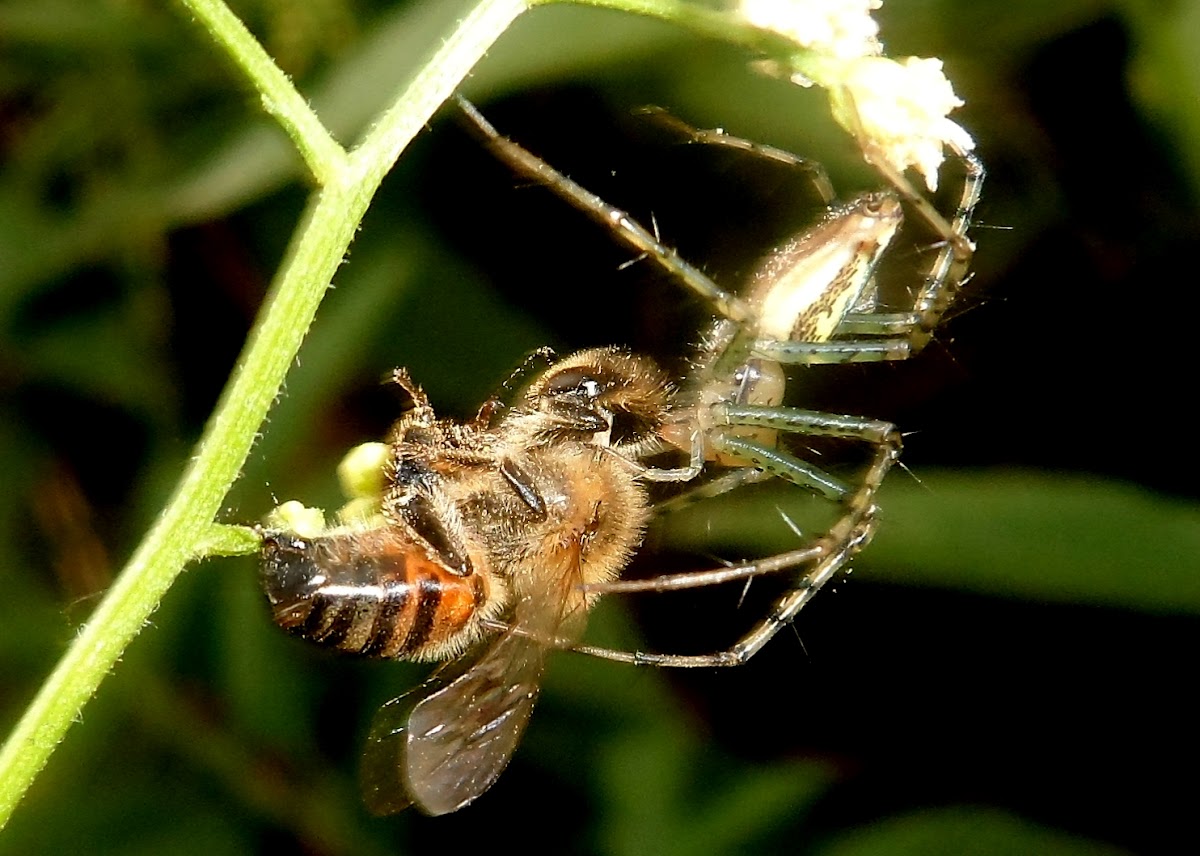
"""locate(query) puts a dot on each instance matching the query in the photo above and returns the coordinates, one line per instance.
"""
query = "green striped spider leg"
(812, 301)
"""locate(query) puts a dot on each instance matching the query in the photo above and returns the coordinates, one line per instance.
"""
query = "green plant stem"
(280, 99)
(682, 12)
(184, 525)
(705, 20)
(185, 529)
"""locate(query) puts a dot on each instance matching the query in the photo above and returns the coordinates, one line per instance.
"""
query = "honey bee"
(491, 532)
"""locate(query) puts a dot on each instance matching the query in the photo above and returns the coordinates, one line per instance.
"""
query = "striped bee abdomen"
(377, 592)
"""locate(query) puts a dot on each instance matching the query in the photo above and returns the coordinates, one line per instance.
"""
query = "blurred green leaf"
(1164, 75)
(1042, 536)
(107, 356)
(1070, 539)
(963, 831)
(665, 792)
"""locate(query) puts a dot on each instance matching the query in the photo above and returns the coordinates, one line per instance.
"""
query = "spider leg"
(731, 480)
(829, 553)
(791, 420)
(632, 233)
(718, 137)
(851, 534)
(729, 437)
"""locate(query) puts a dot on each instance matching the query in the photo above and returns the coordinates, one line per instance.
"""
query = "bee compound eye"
(576, 381)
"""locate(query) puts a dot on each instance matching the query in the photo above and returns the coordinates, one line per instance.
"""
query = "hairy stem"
(321, 152)
(185, 526)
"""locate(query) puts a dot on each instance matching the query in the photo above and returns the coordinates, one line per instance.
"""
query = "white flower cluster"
(896, 108)
(839, 28)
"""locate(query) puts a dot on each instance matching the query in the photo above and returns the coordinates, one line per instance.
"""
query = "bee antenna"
(544, 355)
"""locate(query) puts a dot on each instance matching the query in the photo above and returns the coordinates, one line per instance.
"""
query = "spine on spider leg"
(857, 525)
(950, 269)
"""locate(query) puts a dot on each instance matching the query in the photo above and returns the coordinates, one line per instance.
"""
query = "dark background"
(1007, 668)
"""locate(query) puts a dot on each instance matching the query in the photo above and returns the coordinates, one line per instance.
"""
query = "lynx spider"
(813, 302)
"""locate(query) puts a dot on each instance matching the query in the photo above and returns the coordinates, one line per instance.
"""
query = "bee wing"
(444, 744)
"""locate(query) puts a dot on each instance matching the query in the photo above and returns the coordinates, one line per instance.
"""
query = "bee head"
(605, 391)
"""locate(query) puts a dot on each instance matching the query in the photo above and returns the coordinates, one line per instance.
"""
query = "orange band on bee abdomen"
(373, 593)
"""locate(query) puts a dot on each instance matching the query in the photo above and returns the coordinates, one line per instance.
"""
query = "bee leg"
(522, 484)
(436, 524)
